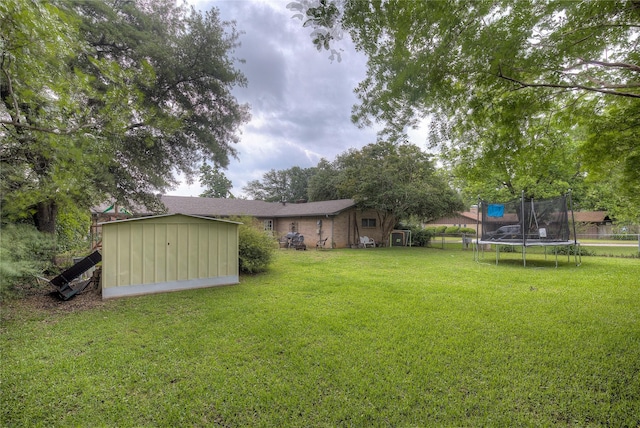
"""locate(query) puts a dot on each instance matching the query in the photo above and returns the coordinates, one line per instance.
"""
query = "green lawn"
(375, 337)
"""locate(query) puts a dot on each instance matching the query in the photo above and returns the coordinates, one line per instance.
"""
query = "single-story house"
(340, 222)
(464, 219)
(593, 224)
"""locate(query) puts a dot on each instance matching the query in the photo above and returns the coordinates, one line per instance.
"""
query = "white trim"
(162, 287)
(169, 215)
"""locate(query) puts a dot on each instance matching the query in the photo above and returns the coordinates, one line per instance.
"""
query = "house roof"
(219, 207)
(591, 216)
(456, 218)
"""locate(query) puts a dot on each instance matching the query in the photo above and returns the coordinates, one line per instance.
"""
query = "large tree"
(462, 63)
(46, 148)
(397, 180)
(215, 183)
(285, 185)
(111, 99)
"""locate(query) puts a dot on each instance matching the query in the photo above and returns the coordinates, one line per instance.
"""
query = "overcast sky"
(300, 101)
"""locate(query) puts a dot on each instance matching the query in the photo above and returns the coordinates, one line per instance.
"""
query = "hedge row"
(438, 230)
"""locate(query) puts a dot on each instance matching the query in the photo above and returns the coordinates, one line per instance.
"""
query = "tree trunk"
(45, 216)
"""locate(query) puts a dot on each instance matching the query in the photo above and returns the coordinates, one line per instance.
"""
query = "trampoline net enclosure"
(526, 222)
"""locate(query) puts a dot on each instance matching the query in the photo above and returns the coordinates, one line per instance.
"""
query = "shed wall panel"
(149, 255)
(136, 264)
(179, 251)
(182, 252)
(160, 253)
(124, 254)
(170, 260)
(214, 268)
(203, 251)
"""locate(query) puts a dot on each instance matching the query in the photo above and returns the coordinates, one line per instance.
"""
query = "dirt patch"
(45, 298)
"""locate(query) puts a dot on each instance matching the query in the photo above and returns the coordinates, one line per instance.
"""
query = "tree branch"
(567, 86)
(633, 67)
(40, 129)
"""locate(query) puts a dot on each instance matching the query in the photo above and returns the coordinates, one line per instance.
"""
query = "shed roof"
(170, 215)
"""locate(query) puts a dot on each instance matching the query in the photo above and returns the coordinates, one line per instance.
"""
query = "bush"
(441, 229)
(422, 237)
(452, 229)
(256, 248)
(24, 254)
(468, 230)
(72, 231)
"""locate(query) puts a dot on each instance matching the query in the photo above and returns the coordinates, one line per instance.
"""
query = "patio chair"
(366, 241)
(321, 243)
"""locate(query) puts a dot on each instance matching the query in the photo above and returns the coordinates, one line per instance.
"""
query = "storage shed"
(168, 253)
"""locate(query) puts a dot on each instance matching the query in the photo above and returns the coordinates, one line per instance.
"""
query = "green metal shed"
(168, 253)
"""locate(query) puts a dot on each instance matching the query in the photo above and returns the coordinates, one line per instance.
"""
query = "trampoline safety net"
(526, 221)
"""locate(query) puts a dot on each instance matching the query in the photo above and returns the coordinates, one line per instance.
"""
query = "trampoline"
(528, 223)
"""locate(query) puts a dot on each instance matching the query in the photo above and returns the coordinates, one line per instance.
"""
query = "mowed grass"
(375, 337)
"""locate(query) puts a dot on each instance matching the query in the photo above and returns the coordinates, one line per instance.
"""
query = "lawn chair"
(321, 243)
(366, 241)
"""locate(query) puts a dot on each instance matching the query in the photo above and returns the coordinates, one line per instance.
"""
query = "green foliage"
(441, 229)
(399, 180)
(24, 254)
(72, 231)
(288, 185)
(467, 230)
(523, 96)
(216, 184)
(323, 184)
(421, 237)
(111, 99)
(452, 229)
(256, 247)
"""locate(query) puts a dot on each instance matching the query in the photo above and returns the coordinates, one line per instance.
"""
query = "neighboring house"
(340, 221)
(465, 219)
(593, 224)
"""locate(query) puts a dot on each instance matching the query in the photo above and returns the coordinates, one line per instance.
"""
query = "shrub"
(441, 229)
(72, 231)
(468, 230)
(452, 229)
(256, 247)
(24, 254)
(421, 237)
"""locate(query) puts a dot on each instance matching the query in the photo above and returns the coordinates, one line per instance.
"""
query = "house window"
(368, 222)
(268, 226)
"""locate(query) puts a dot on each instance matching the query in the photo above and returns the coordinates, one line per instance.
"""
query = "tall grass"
(375, 337)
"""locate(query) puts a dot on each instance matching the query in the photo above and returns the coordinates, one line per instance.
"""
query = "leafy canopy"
(484, 72)
(110, 100)
(398, 180)
(216, 184)
(288, 185)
